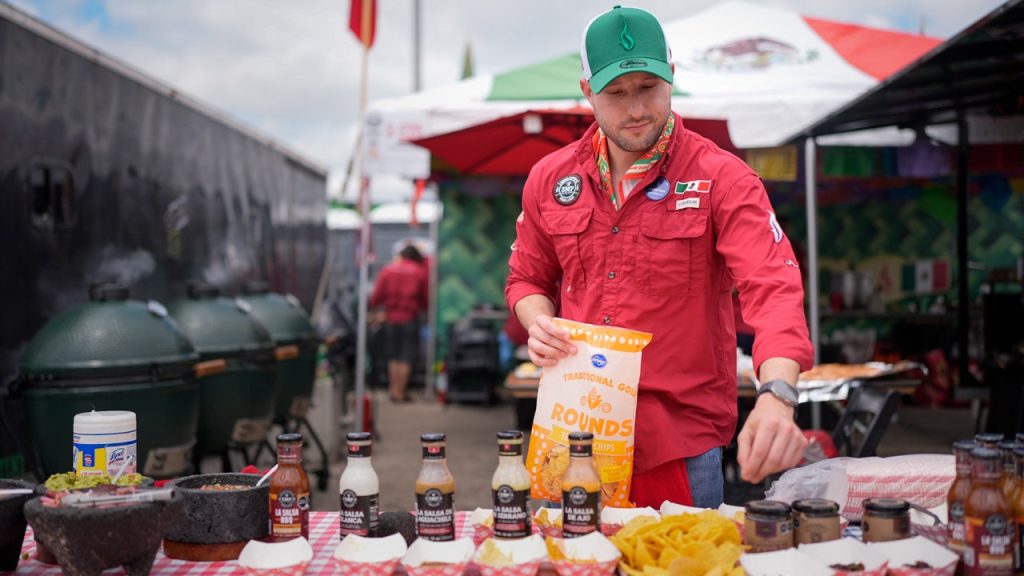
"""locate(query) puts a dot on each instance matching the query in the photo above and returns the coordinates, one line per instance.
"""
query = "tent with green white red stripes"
(766, 71)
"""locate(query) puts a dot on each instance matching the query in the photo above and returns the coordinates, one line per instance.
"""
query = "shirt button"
(607, 319)
(611, 275)
(615, 229)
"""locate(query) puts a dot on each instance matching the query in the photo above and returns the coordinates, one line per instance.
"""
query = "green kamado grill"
(113, 353)
(297, 344)
(236, 407)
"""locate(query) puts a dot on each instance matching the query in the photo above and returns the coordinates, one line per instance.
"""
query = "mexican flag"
(925, 276)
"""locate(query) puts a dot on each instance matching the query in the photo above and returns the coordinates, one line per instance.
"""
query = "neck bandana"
(639, 168)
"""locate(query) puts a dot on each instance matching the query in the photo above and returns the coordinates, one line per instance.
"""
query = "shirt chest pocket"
(673, 257)
(567, 228)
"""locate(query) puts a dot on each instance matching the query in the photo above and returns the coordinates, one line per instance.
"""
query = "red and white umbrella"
(766, 71)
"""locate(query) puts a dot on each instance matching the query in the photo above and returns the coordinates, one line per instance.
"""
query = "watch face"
(783, 391)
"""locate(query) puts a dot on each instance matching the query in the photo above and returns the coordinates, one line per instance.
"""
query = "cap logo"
(632, 64)
(625, 38)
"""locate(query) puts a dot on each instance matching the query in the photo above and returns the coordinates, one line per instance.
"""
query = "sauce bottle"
(510, 488)
(359, 489)
(435, 492)
(957, 495)
(1008, 481)
(289, 491)
(581, 489)
(1018, 511)
(988, 439)
(989, 529)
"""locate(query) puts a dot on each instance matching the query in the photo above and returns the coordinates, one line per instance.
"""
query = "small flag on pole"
(925, 276)
(417, 195)
(362, 20)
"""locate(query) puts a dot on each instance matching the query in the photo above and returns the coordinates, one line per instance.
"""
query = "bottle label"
(435, 515)
(433, 452)
(989, 545)
(359, 450)
(359, 514)
(510, 449)
(511, 512)
(580, 512)
(289, 514)
(289, 452)
(957, 533)
(581, 449)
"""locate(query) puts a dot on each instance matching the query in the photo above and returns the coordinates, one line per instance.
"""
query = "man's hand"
(548, 343)
(770, 440)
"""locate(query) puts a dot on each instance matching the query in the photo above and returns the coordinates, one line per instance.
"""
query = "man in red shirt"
(646, 225)
(401, 289)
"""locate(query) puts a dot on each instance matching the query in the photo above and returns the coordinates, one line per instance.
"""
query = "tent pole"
(364, 234)
(963, 299)
(431, 352)
(810, 174)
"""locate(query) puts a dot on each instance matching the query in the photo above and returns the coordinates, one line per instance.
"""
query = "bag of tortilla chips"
(592, 391)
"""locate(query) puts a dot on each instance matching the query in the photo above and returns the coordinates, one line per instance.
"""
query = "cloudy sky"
(290, 68)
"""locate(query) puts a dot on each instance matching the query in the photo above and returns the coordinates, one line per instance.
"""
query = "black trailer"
(109, 174)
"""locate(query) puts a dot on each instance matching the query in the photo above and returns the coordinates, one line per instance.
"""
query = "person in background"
(400, 296)
(646, 225)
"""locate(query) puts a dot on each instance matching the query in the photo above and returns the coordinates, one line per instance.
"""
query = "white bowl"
(288, 558)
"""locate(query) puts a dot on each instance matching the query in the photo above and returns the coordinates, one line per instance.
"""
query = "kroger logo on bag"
(598, 360)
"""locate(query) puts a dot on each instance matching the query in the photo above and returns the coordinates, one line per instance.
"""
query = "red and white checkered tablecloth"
(323, 536)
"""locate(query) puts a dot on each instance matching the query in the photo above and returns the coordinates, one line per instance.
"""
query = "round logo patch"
(505, 494)
(286, 498)
(578, 496)
(598, 360)
(996, 525)
(349, 499)
(567, 189)
(657, 190)
(433, 498)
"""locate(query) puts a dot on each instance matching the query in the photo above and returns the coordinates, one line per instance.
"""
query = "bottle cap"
(768, 508)
(289, 437)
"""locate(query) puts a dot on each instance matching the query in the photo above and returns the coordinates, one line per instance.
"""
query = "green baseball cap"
(624, 40)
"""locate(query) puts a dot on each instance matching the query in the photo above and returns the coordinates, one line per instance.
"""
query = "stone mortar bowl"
(85, 541)
(12, 523)
(42, 553)
(219, 516)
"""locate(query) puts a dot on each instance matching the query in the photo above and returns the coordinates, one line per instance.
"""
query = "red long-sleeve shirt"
(698, 223)
(401, 288)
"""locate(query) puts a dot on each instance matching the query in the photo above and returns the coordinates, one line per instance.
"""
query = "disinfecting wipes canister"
(104, 441)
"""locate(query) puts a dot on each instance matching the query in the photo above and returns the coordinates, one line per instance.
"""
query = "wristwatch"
(781, 390)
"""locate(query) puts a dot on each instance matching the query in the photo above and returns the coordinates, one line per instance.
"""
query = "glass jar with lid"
(885, 519)
(815, 520)
(768, 526)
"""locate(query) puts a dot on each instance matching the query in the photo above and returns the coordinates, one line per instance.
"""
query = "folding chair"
(865, 421)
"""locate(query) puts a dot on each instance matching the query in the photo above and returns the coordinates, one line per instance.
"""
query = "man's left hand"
(770, 440)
